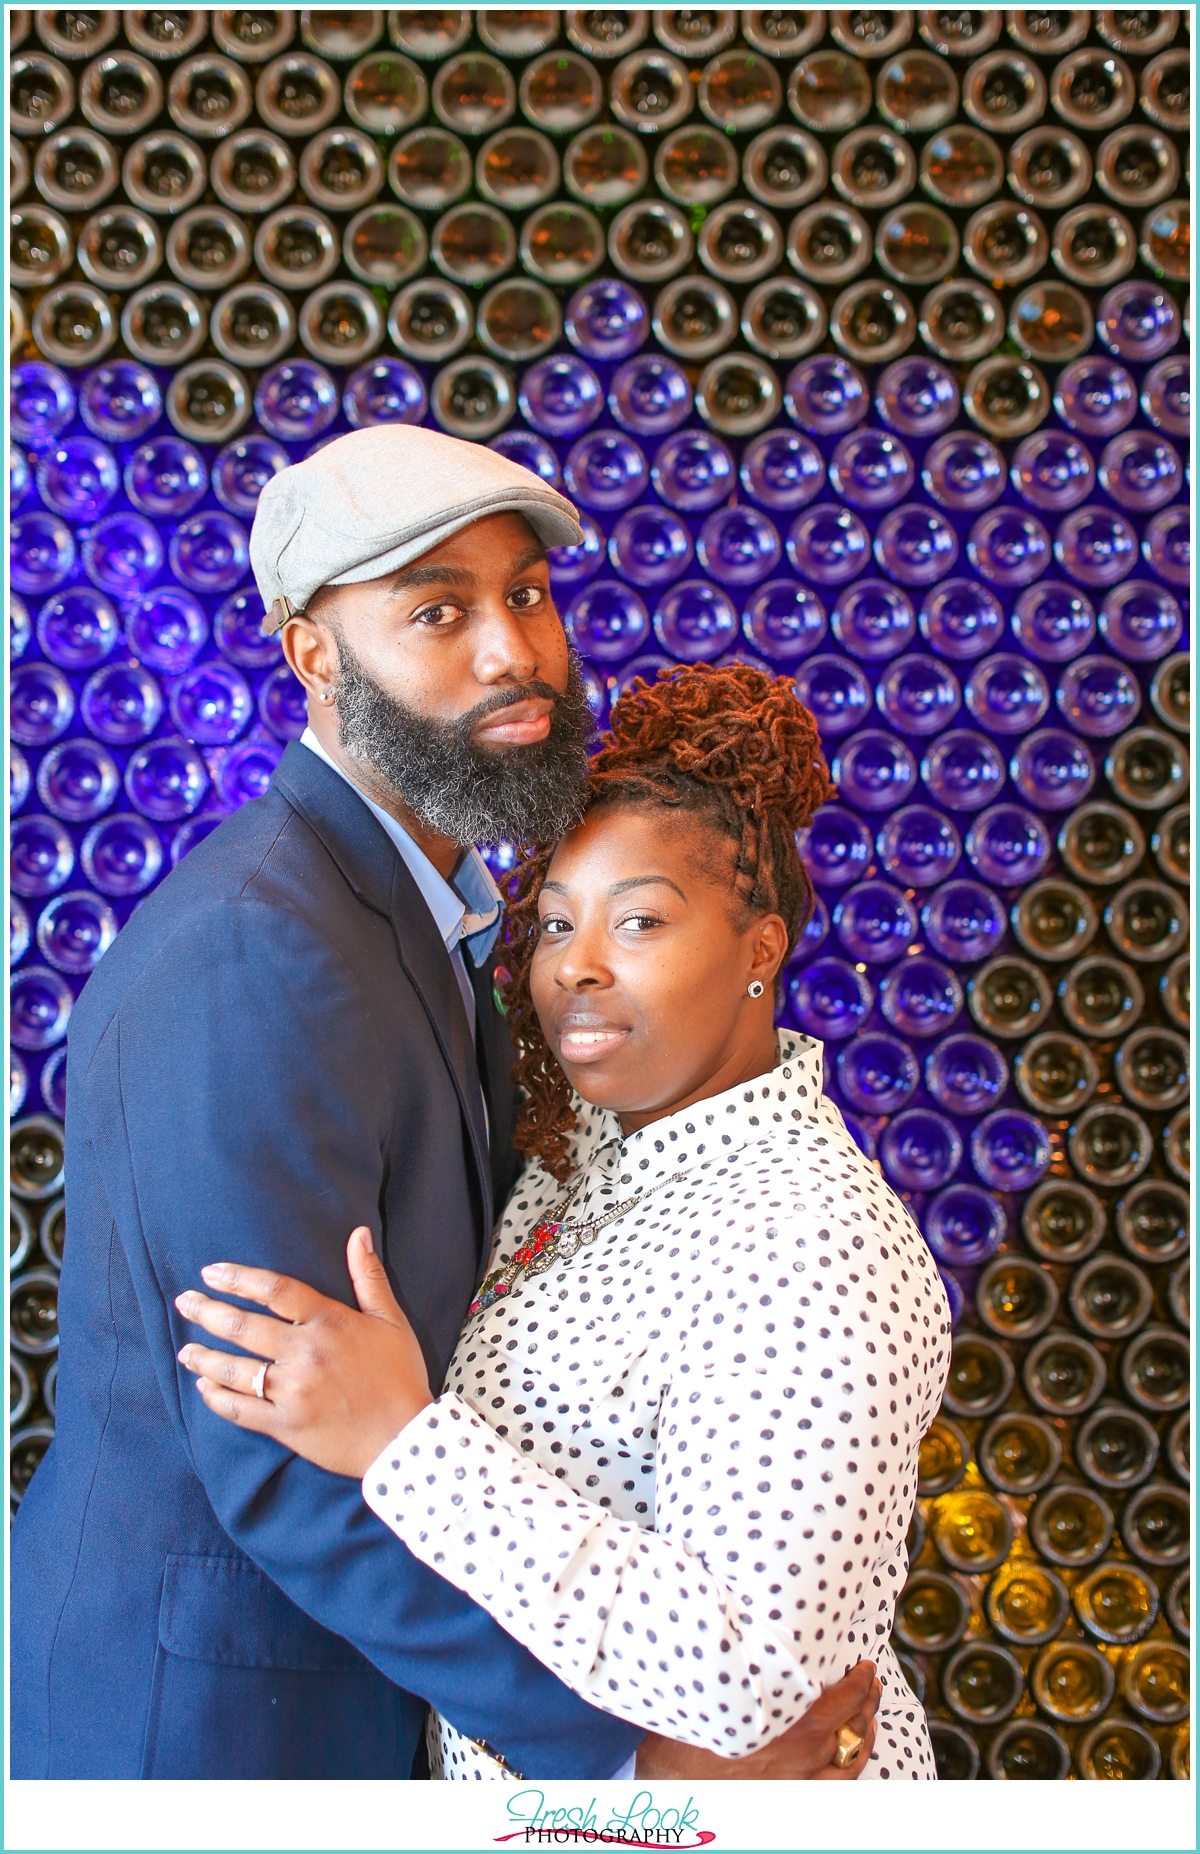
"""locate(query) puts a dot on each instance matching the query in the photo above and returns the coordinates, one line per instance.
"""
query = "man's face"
(472, 617)
(449, 683)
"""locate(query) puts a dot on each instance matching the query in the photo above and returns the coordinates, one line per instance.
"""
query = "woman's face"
(640, 976)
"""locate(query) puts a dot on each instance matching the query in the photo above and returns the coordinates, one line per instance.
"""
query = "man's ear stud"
(756, 988)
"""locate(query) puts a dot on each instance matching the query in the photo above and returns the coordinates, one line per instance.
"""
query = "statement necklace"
(553, 1240)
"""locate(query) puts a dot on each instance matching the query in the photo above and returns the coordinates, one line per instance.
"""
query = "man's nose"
(507, 649)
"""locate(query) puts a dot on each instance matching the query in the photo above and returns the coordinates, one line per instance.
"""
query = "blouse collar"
(709, 1131)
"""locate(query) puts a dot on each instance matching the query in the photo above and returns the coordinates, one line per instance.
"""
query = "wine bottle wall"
(860, 339)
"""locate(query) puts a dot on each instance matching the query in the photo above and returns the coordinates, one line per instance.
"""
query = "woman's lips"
(579, 1046)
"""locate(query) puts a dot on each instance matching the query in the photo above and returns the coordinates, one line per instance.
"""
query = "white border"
(867, 1816)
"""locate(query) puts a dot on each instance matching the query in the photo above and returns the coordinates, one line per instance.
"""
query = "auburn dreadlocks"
(735, 748)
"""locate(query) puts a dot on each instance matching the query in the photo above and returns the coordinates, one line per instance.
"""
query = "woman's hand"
(339, 1384)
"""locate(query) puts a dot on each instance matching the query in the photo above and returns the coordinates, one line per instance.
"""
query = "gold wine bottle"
(954, 1752)
(1153, 1221)
(1016, 1298)
(1019, 1453)
(1117, 1602)
(1029, 1750)
(1155, 1681)
(1071, 1526)
(1056, 1074)
(943, 1457)
(36, 1157)
(1156, 1524)
(1119, 1749)
(1072, 1682)
(972, 1530)
(1154, 1369)
(982, 1683)
(1027, 1604)
(932, 1612)
(1063, 1221)
(1110, 1297)
(1116, 1447)
(1064, 1374)
(981, 1376)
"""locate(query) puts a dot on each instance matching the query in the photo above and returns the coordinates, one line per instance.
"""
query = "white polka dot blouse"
(680, 1464)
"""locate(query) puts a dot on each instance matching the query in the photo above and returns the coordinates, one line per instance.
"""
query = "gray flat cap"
(374, 500)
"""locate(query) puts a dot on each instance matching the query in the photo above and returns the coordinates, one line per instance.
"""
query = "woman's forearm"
(631, 1620)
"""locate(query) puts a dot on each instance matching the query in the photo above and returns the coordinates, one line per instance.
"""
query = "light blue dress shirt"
(466, 913)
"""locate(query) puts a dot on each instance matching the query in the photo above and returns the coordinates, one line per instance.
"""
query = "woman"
(676, 1453)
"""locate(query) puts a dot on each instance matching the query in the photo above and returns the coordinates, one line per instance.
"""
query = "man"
(298, 1033)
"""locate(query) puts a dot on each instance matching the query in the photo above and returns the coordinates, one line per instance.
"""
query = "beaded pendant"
(533, 1256)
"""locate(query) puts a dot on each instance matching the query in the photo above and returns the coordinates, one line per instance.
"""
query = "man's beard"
(470, 793)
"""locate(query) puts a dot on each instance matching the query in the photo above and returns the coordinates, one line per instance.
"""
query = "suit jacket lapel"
(376, 872)
(495, 1057)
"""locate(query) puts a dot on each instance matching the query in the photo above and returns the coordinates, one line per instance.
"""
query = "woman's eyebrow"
(623, 888)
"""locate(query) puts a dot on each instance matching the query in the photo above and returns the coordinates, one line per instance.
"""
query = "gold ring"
(849, 1744)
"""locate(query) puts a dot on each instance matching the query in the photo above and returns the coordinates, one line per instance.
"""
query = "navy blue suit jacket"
(274, 1050)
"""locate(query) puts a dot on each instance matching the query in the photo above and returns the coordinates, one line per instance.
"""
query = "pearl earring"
(755, 988)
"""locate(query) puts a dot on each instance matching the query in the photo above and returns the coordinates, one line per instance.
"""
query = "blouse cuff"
(406, 1480)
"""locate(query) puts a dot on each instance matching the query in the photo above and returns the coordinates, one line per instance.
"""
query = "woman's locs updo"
(734, 748)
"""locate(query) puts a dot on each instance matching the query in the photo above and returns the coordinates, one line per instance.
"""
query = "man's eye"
(437, 615)
(527, 598)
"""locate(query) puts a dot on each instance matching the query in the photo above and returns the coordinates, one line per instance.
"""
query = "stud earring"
(327, 695)
(756, 988)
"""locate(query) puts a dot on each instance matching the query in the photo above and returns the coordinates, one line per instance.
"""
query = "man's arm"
(241, 1106)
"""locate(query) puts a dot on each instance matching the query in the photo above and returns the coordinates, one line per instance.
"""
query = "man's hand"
(804, 1751)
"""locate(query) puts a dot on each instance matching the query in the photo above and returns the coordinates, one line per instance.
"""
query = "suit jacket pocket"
(224, 1611)
(246, 1685)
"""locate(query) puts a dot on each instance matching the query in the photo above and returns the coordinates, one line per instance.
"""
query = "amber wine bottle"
(943, 1458)
(1156, 1524)
(1028, 1750)
(1110, 1297)
(1119, 1749)
(1016, 1298)
(932, 1612)
(1027, 1604)
(1116, 1447)
(1020, 1454)
(1072, 1682)
(1116, 1602)
(981, 1376)
(1071, 1526)
(1154, 1680)
(1064, 1374)
(955, 1752)
(972, 1530)
(982, 1683)
(1154, 1369)
(1063, 1221)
